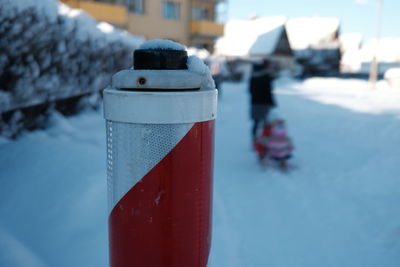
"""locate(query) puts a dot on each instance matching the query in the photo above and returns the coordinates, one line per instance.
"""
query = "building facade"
(190, 22)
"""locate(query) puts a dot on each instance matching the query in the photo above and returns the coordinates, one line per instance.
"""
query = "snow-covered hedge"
(50, 52)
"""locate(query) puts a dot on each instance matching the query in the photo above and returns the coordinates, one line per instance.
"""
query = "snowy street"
(337, 207)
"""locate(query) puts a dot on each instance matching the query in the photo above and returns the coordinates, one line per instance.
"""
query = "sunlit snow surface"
(338, 207)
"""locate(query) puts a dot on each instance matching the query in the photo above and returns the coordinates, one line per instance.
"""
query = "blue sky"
(356, 15)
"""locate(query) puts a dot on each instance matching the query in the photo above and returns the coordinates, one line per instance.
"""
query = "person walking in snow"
(261, 98)
(274, 143)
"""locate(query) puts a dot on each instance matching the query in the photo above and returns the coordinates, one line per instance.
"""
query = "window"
(199, 13)
(135, 6)
(171, 10)
(109, 1)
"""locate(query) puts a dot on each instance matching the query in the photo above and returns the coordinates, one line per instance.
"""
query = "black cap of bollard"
(160, 59)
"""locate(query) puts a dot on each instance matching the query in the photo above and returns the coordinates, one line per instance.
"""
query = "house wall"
(283, 46)
(205, 30)
(115, 14)
(153, 25)
(202, 42)
(210, 6)
(284, 62)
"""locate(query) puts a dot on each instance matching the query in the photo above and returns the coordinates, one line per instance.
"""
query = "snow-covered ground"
(339, 207)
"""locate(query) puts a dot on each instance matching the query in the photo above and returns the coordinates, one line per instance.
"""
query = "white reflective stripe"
(160, 107)
(158, 79)
(133, 150)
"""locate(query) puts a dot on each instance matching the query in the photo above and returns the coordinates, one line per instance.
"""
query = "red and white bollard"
(160, 133)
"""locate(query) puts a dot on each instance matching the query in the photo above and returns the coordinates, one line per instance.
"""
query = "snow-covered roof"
(388, 55)
(388, 50)
(393, 73)
(350, 41)
(251, 37)
(312, 32)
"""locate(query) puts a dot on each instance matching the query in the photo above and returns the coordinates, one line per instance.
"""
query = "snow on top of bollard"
(162, 44)
(194, 63)
(197, 65)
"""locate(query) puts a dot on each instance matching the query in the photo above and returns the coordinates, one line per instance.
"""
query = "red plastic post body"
(165, 219)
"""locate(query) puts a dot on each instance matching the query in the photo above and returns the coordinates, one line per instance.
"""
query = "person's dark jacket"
(261, 87)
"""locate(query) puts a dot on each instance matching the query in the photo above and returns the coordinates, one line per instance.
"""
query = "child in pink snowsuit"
(274, 143)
